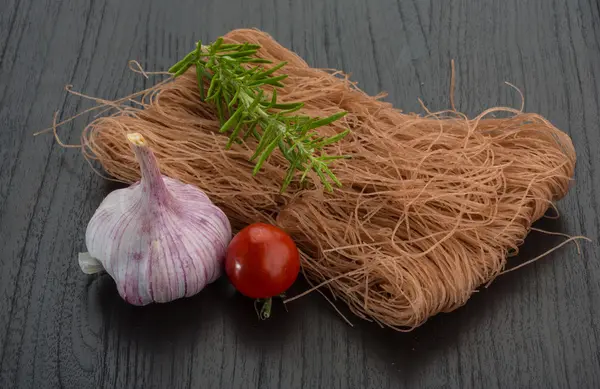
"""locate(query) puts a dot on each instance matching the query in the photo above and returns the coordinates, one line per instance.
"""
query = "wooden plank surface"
(537, 328)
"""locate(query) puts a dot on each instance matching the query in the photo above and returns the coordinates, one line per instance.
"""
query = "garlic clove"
(159, 239)
(89, 264)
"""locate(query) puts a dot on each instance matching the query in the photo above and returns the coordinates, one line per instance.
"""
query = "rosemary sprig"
(245, 110)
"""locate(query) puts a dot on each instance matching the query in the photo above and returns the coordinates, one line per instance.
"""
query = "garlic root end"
(89, 264)
(136, 138)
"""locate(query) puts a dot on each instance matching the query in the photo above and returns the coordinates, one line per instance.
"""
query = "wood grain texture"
(537, 328)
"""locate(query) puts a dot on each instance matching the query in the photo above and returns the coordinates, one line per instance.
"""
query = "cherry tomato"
(262, 261)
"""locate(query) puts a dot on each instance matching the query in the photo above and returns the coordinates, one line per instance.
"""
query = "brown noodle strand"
(452, 84)
(430, 205)
(571, 239)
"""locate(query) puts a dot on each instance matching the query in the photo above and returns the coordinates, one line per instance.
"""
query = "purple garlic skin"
(159, 239)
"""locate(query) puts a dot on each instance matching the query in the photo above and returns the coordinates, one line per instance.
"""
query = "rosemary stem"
(282, 130)
(236, 78)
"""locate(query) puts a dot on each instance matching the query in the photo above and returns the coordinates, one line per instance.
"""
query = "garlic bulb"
(159, 239)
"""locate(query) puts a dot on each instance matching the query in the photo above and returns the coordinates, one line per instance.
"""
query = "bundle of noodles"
(430, 204)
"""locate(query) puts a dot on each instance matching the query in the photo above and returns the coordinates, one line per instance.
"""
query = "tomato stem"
(265, 309)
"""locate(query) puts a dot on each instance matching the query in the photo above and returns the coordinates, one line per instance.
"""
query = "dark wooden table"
(537, 328)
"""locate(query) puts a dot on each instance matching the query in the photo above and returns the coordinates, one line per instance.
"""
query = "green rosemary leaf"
(289, 176)
(229, 46)
(220, 111)
(327, 120)
(239, 54)
(226, 96)
(273, 99)
(251, 130)
(323, 178)
(200, 77)
(316, 140)
(265, 154)
(182, 69)
(297, 122)
(234, 99)
(286, 105)
(327, 158)
(270, 81)
(234, 134)
(305, 126)
(206, 73)
(255, 60)
(303, 119)
(253, 74)
(257, 100)
(264, 141)
(333, 139)
(306, 170)
(188, 59)
(211, 62)
(217, 45)
(275, 81)
(331, 175)
(232, 120)
(294, 108)
(226, 111)
(211, 89)
(284, 149)
(198, 49)
(273, 69)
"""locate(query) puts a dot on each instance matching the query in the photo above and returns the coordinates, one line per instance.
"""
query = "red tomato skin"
(262, 261)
